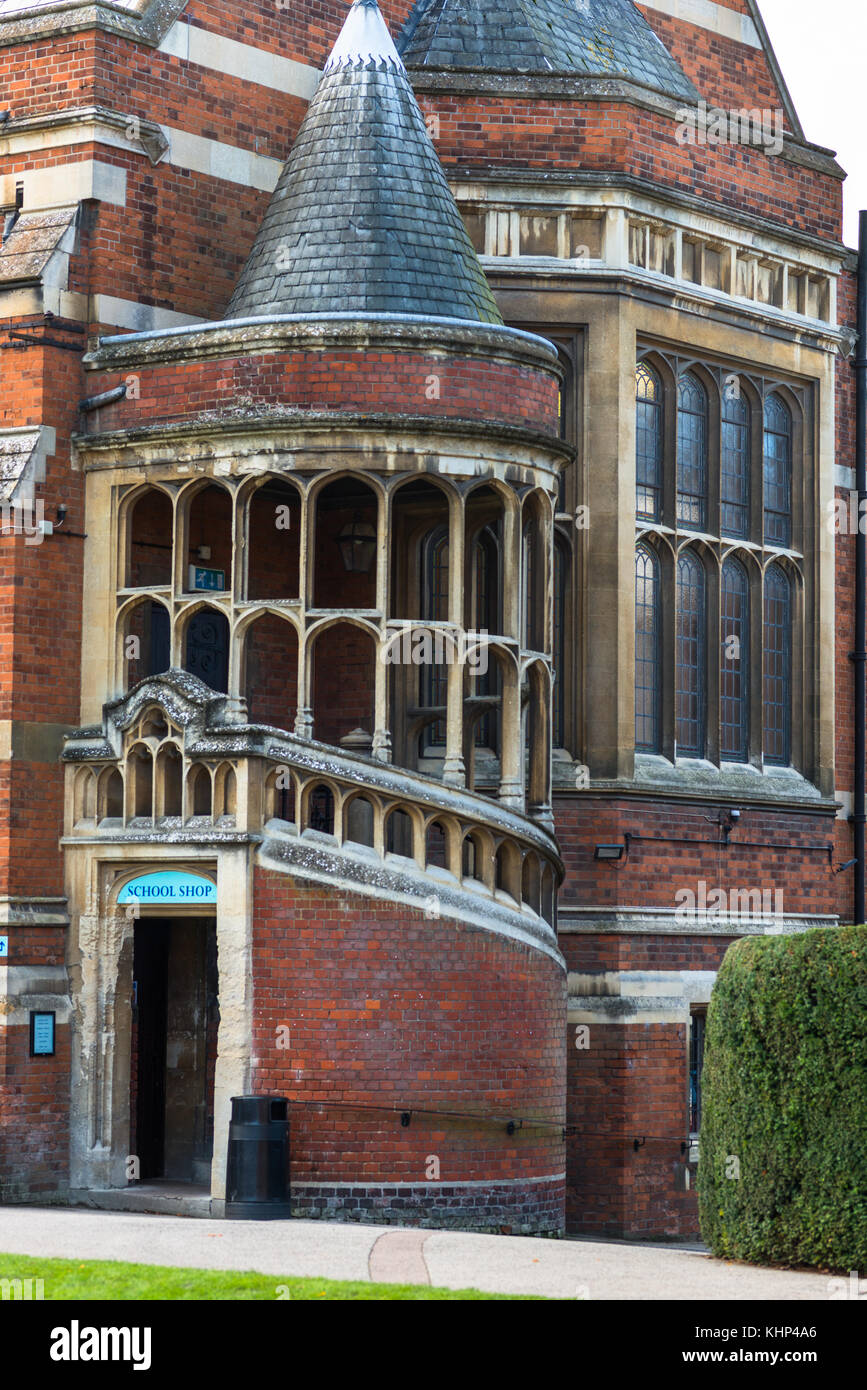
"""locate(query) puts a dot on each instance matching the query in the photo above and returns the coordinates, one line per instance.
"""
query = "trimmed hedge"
(784, 1097)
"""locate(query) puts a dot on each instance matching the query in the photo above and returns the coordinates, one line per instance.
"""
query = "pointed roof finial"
(362, 219)
(364, 39)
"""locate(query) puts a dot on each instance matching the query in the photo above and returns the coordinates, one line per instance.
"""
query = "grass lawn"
(110, 1279)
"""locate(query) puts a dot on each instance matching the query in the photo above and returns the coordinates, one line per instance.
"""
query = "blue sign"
(168, 886)
(4, 946)
(42, 1034)
(202, 578)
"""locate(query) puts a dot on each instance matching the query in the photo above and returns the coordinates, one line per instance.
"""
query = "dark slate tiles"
(591, 37)
(362, 218)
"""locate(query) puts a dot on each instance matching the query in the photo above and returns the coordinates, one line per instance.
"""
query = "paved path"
(496, 1264)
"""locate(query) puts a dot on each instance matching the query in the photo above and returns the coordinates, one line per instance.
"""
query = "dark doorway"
(174, 1035)
(208, 648)
(160, 643)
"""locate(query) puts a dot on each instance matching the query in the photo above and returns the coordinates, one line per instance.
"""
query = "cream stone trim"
(844, 477)
(26, 987)
(222, 161)
(590, 919)
(705, 14)
(143, 318)
(63, 184)
(160, 143)
(607, 221)
(636, 997)
(244, 60)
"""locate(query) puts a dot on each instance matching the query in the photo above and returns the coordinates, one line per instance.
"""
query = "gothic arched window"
(778, 472)
(777, 640)
(558, 722)
(735, 467)
(691, 452)
(435, 608)
(648, 443)
(734, 683)
(690, 657)
(648, 631)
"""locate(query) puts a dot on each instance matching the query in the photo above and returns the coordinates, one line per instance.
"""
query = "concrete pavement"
(569, 1269)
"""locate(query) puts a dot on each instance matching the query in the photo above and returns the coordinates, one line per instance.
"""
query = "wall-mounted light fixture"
(610, 852)
(357, 543)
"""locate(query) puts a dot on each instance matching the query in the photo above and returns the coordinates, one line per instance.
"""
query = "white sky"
(822, 52)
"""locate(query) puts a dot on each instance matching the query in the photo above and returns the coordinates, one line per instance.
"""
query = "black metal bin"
(257, 1174)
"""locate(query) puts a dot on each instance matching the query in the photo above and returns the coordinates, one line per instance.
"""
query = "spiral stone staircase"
(390, 902)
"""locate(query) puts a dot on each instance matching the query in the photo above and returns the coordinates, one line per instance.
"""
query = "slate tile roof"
(591, 37)
(22, 453)
(362, 218)
(32, 242)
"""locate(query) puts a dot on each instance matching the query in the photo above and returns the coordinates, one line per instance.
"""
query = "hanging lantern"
(357, 543)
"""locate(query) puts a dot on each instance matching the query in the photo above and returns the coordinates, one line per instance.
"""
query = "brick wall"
(422, 1015)
(768, 849)
(34, 1091)
(392, 381)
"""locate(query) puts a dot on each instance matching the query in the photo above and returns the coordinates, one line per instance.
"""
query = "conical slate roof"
(598, 37)
(362, 219)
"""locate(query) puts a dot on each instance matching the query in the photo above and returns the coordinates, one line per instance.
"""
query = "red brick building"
(426, 623)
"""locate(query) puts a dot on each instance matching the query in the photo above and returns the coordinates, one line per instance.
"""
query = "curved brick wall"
(389, 381)
(387, 1008)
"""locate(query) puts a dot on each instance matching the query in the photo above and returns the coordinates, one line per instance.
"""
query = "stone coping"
(291, 332)
(254, 423)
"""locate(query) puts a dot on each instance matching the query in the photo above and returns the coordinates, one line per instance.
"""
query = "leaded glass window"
(778, 472)
(434, 677)
(691, 452)
(559, 653)
(735, 467)
(690, 657)
(734, 663)
(648, 631)
(648, 443)
(777, 695)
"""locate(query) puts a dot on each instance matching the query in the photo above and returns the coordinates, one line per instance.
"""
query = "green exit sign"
(201, 578)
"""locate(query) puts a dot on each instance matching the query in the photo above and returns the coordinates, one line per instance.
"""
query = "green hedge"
(784, 1092)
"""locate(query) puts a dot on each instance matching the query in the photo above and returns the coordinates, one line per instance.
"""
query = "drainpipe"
(859, 655)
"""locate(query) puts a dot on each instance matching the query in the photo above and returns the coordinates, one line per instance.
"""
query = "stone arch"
(318, 806)
(169, 780)
(535, 564)
(281, 794)
(225, 791)
(271, 511)
(139, 782)
(478, 857)
(341, 660)
(147, 523)
(401, 831)
(548, 895)
(110, 795)
(267, 649)
(345, 512)
(507, 878)
(422, 519)
(443, 844)
(360, 814)
(199, 798)
(203, 637)
(206, 523)
(538, 738)
(531, 883)
(84, 795)
(143, 641)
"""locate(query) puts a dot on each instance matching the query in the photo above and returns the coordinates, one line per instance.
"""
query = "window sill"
(697, 777)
